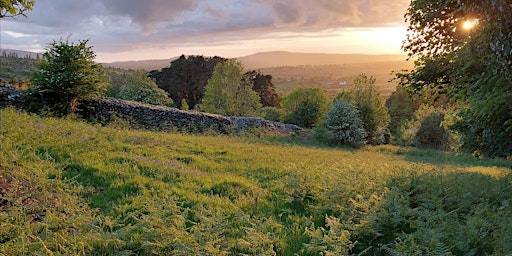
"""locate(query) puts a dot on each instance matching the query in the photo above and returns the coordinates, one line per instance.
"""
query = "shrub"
(305, 106)
(401, 107)
(69, 74)
(344, 123)
(270, 113)
(139, 87)
(426, 130)
(372, 111)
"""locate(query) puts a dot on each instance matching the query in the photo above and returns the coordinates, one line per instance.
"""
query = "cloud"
(122, 25)
(150, 12)
(323, 14)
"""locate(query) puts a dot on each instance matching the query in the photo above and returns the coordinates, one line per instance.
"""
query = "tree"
(13, 8)
(427, 128)
(262, 84)
(305, 106)
(366, 98)
(401, 106)
(69, 74)
(344, 123)
(186, 78)
(139, 87)
(229, 91)
(471, 65)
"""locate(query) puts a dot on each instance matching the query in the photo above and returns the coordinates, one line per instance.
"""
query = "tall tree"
(262, 84)
(186, 78)
(471, 63)
(68, 74)
(13, 8)
(229, 91)
(366, 98)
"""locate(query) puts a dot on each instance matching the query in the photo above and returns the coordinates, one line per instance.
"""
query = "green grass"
(68, 187)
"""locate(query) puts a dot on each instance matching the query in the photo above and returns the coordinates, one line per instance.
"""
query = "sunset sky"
(122, 30)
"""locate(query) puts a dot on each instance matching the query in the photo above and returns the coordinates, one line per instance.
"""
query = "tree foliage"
(13, 8)
(229, 91)
(69, 74)
(186, 78)
(139, 87)
(262, 84)
(401, 106)
(473, 66)
(305, 106)
(366, 98)
(344, 123)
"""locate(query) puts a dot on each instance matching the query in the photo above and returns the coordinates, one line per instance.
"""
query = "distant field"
(335, 78)
(73, 188)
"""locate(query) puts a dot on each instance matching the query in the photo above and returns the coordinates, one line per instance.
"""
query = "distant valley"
(276, 59)
(331, 72)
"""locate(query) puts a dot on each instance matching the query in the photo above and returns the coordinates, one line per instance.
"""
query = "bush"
(305, 107)
(401, 107)
(426, 130)
(344, 123)
(372, 111)
(139, 87)
(270, 113)
(69, 74)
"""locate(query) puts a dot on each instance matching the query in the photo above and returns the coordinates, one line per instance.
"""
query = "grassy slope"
(71, 187)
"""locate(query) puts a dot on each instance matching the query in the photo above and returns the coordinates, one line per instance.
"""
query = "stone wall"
(164, 118)
(157, 117)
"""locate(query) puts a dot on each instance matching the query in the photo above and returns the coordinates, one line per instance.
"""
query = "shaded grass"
(127, 191)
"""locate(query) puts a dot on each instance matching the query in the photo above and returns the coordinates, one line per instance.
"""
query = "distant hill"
(143, 64)
(20, 54)
(282, 58)
(275, 59)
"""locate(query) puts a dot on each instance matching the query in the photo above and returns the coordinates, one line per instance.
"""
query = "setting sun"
(469, 24)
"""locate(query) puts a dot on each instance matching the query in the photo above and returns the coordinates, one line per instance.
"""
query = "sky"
(122, 30)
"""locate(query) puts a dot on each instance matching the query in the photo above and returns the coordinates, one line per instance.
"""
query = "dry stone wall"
(155, 117)
(164, 118)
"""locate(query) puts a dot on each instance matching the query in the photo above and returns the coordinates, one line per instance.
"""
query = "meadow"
(71, 187)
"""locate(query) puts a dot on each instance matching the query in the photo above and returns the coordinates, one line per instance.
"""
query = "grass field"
(69, 187)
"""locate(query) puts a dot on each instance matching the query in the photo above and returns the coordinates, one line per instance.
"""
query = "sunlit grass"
(72, 187)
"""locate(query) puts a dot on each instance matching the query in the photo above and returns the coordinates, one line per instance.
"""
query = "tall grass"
(69, 187)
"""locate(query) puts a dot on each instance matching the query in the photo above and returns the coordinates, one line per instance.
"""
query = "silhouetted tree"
(186, 78)
(262, 84)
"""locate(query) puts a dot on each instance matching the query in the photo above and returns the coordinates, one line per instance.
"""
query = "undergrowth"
(68, 187)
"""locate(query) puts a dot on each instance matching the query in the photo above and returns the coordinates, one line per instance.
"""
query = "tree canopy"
(13, 8)
(372, 110)
(472, 65)
(305, 106)
(229, 91)
(68, 74)
(186, 78)
(139, 87)
(262, 84)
